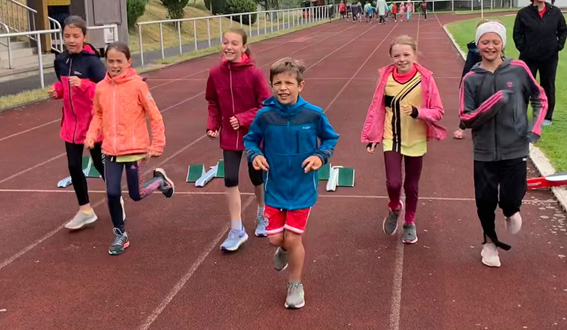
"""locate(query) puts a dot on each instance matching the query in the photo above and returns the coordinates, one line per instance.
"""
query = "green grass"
(554, 139)
(23, 98)
(495, 10)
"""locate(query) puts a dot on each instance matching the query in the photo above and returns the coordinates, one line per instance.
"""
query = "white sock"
(261, 210)
(236, 224)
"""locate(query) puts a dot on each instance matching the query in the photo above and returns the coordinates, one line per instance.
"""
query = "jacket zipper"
(71, 98)
(289, 154)
(494, 90)
(114, 113)
(232, 98)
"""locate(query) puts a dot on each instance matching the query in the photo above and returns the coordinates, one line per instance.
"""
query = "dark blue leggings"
(137, 189)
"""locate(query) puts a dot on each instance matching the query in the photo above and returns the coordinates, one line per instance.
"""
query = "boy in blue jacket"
(282, 141)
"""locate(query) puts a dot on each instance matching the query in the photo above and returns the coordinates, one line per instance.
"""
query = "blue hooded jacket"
(287, 135)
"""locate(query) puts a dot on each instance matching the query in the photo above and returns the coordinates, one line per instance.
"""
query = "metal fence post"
(141, 44)
(161, 40)
(179, 36)
(195, 35)
(209, 31)
(40, 60)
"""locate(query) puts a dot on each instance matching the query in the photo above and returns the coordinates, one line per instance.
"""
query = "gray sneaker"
(390, 224)
(410, 236)
(121, 242)
(81, 219)
(295, 296)
(280, 259)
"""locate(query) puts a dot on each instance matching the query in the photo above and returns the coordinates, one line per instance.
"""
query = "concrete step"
(13, 45)
(17, 53)
(29, 62)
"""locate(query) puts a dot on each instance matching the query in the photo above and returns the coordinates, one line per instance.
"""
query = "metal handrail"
(8, 45)
(314, 13)
(53, 24)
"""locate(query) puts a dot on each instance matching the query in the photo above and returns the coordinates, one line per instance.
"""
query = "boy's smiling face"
(286, 87)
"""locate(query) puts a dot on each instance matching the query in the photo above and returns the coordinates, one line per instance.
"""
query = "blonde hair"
(288, 64)
(404, 40)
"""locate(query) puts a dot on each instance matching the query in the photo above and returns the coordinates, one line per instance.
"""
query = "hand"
(75, 81)
(154, 153)
(371, 147)
(234, 122)
(260, 163)
(213, 134)
(52, 93)
(406, 109)
(89, 143)
(312, 163)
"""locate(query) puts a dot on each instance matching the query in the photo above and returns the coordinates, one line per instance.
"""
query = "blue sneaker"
(261, 225)
(234, 240)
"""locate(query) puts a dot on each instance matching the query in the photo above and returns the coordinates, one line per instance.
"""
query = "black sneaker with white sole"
(168, 187)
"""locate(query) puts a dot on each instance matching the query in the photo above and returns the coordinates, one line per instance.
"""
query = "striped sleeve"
(538, 99)
(473, 115)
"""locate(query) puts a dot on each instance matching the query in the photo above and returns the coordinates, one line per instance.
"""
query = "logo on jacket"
(77, 73)
(510, 85)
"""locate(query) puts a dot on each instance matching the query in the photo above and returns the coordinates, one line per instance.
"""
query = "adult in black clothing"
(539, 35)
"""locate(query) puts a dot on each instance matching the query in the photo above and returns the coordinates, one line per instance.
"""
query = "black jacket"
(539, 38)
(495, 106)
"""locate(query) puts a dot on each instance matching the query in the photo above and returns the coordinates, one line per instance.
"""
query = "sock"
(261, 210)
(89, 211)
(236, 224)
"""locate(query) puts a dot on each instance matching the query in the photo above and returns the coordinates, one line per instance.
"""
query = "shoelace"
(234, 234)
(120, 238)
(293, 287)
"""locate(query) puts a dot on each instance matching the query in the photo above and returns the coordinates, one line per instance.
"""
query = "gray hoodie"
(495, 106)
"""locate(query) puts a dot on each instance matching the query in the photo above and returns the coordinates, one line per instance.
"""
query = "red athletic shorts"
(292, 220)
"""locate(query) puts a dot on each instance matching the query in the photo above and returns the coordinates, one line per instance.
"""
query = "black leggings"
(75, 163)
(232, 167)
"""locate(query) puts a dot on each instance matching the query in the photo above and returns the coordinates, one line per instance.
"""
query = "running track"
(175, 277)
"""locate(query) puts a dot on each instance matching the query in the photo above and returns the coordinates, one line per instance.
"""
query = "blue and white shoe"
(261, 224)
(234, 240)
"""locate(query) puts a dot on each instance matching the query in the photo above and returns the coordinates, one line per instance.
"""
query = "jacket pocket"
(305, 139)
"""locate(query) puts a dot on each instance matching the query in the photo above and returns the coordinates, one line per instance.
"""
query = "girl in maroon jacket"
(78, 70)
(236, 89)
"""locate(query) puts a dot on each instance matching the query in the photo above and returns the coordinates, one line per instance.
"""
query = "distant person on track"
(381, 7)
(401, 11)
(494, 97)
(403, 120)
(78, 70)
(342, 9)
(539, 35)
(424, 9)
(236, 89)
(283, 142)
(394, 10)
(473, 57)
(123, 106)
(409, 9)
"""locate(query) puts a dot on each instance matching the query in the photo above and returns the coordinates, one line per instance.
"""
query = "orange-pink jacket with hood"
(122, 104)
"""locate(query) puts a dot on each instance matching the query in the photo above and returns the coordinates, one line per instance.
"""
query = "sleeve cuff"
(414, 112)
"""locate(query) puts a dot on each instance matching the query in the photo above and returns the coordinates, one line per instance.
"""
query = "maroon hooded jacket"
(234, 89)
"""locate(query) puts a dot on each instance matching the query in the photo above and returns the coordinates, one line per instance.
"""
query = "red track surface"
(174, 275)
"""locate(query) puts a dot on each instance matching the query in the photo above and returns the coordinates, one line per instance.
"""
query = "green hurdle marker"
(333, 178)
(324, 172)
(194, 172)
(89, 169)
(346, 177)
(220, 169)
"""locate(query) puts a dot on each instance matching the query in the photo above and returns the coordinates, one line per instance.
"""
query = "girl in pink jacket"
(236, 89)
(403, 116)
(78, 70)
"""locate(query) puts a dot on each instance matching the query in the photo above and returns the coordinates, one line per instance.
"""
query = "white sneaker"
(489, 255)
(514, 223)
(81, 219)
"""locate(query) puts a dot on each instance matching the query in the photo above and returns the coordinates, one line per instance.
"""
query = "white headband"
(493, 27)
